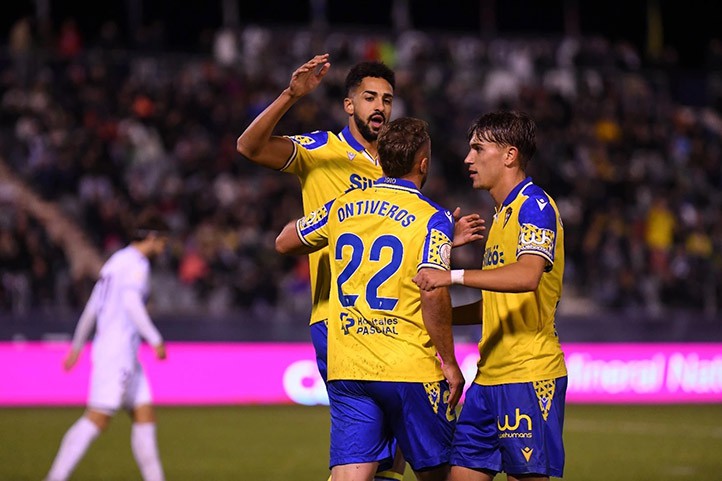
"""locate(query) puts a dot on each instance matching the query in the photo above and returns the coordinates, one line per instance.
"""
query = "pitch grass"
(289, 443)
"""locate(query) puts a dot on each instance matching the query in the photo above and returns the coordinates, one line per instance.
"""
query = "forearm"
(436, 311)
(85, 323)
(515, 277)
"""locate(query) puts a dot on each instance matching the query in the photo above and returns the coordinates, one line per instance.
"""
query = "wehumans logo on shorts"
(507, 426)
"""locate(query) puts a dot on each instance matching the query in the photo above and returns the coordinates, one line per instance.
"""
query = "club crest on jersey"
(507, 215)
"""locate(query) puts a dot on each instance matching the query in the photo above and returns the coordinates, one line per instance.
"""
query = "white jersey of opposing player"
(117, 303)
(116, 336)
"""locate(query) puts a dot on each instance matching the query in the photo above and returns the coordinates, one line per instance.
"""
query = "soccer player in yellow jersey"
(513, 414)
(328, 164)
(392, 372)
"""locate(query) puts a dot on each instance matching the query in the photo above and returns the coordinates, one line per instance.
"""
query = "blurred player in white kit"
(116, 308)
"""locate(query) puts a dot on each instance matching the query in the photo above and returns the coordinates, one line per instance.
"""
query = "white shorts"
(115, 387)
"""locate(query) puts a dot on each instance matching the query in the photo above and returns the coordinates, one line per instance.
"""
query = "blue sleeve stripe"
(302, 233)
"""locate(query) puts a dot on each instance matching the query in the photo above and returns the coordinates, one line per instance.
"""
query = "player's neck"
(417, 179)
(141, 246)
(503, 188)
(371, 147)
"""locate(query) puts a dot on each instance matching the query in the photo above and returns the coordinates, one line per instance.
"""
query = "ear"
(348, 105)
(512, 153)
(424, 165)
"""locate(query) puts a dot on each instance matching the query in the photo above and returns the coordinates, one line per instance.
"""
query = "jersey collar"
(515, 191)
(396, 183)
(348, 137)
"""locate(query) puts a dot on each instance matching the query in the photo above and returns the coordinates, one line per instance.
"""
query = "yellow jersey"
(327, 165)
(378, 239)
(519, 342)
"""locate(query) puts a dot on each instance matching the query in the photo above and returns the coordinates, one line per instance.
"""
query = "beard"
(365, 130)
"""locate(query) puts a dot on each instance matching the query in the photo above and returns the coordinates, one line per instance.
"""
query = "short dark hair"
(399, 140)
(149, 222)
(368, 69)
(507, 128)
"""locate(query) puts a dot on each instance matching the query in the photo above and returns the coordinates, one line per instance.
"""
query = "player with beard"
(328, 164)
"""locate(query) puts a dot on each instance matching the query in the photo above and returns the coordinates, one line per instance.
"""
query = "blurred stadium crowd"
(631, 150)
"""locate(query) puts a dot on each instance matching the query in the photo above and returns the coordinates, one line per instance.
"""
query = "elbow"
(529, 283)
(288, 242)
(247, 147)
(242, 148)
(281, 247)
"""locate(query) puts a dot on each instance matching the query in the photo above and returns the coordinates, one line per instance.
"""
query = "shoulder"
(133, 262)
(312, 140)
(437, 213)
(536, 205)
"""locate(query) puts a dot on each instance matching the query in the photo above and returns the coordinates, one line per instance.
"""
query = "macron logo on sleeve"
(542, 203)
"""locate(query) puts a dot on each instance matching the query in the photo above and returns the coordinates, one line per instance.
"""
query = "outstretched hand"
(467, 229)
(307, 77)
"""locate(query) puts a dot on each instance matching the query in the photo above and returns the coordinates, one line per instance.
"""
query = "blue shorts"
(515, 428)
(319, 338)
(366, 417)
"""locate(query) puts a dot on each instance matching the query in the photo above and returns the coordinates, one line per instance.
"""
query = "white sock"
(72, 448)
(145, 450)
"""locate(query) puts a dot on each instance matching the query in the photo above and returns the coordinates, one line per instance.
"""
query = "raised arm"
(257, 142)
(436, 311)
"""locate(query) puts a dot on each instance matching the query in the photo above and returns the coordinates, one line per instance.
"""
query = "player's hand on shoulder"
(467, 229)
(71, 359)
(429, 279)
(160, 351)
(307, 77)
